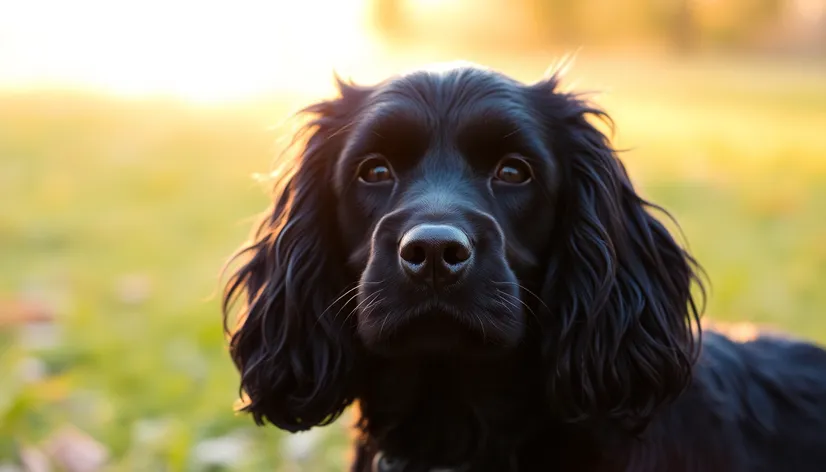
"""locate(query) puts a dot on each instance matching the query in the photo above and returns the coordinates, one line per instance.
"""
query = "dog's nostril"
(414, 254)
(436, 253)
(456, 253)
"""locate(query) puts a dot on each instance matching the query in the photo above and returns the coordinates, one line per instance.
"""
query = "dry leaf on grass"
(75, 451)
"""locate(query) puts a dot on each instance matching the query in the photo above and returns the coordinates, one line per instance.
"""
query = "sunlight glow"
(203, 51)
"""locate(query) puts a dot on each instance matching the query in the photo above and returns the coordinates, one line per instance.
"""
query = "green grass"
(119, 214)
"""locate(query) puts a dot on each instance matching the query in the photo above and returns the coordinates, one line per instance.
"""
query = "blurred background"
(136, 138)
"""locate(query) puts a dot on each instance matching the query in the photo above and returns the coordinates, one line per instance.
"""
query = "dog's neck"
(447, 410)
(451, 413)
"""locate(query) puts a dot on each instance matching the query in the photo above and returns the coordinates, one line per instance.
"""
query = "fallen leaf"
(75, 451)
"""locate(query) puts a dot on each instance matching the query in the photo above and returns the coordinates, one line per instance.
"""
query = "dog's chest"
(385, 463)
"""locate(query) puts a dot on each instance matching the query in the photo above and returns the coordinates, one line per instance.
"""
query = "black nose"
(435, 254)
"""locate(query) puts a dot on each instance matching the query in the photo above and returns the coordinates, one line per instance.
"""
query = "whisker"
(381, 328)
(501, 292)
(368, 309)
(533, 313)
(344, 294)
(497, 326)
(345, 304)
(333, 303)
(373, 305)
(358, 286)
(373, 296)
(527, 290)
(481, 325)
(503, 303)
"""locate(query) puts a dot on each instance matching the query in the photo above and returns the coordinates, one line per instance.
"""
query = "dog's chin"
(439, 333)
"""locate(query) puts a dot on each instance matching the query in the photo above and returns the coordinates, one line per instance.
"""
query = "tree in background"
(388, 18)
(685, 26)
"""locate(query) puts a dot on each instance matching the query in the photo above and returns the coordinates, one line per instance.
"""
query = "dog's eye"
(375, 170)
(512, 170)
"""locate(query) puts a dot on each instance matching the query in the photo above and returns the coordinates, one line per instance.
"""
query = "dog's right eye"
(375, 170)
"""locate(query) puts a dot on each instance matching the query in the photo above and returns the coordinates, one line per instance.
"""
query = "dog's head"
(461, 213)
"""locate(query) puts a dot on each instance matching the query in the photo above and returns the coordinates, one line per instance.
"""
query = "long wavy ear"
(295, 357)
(622, 330)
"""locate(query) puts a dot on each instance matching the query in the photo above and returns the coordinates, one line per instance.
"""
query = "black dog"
(465, 256)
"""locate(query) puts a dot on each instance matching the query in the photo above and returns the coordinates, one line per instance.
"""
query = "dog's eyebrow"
(386, 119)
(393, 129)
(501, 120)
(492, 127)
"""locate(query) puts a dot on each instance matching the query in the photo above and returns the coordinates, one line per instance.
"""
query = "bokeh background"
(137, 137)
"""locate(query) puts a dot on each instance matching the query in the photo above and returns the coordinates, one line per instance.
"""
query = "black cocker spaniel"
(465, 256)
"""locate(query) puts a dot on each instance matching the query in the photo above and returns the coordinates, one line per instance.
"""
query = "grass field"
(117, 215)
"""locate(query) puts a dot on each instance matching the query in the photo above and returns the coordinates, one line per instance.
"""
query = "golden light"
(198, 50)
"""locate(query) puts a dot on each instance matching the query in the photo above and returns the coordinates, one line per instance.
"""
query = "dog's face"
(457, 213)
(445, 195)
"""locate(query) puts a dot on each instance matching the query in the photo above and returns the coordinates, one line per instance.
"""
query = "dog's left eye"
(512, 170)
(375, 170)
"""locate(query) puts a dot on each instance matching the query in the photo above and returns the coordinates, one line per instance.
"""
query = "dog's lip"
(438, 300)
(431, 332)
(436, 294)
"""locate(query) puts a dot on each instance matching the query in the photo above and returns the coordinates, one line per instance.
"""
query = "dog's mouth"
(440, 329)
(432, 334)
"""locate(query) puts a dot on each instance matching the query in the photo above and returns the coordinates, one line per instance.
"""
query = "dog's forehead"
(448, 91)
(422, 113)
